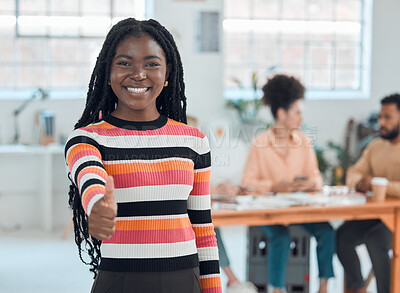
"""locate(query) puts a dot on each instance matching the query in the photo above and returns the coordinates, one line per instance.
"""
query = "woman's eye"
(153, 64)
(123, 63)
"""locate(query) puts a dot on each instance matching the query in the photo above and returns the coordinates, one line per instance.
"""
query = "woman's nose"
(138, 74)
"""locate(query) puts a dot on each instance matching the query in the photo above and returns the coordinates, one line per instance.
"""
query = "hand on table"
(283, 186)
(227, 189)
(103, 214)
(364, 184)
(303, 185)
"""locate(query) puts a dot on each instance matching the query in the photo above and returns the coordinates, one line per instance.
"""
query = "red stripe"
(99, 190)
(90, 171)
(201, 188)
(206, 241)
(83, 153)
(153, 178)
(166, 130)
(152, 236)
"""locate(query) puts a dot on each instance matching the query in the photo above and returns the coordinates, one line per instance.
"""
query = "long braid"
(101, 99)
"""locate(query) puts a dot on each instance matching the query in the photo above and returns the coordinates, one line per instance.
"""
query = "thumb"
(109, 194)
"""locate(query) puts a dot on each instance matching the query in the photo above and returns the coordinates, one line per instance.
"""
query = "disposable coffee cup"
(379, 187)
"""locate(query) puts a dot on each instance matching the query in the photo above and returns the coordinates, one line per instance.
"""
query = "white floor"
(38, 262)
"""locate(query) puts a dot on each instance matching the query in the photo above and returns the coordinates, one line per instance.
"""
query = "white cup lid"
(379, 181)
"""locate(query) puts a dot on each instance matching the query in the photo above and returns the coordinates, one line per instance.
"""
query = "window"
(54, 44)
(322, 42)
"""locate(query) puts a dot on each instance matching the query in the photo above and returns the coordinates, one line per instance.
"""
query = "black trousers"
(184, 281)
(378, 240)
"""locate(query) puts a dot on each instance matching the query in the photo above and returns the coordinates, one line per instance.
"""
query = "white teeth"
(136, 90)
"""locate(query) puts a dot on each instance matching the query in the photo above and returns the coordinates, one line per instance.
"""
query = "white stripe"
(89, 176)
(75, 133)
(91, 203)
(158, 250)
(202, 170)
(153, 193)
(199, 202)
(202, 225)
(209, 276)
(81, 161)
(148, 161)
(154, 141)
(208, 253)
(153, 217)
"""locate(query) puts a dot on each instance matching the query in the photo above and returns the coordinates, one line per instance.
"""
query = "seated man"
(381, 158)
(282, 159)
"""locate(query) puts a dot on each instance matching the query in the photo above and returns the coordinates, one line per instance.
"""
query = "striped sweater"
(161, 173)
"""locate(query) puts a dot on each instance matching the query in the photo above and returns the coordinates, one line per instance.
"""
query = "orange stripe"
(210, 282)
(173, 122)
(90, 189)
(125, 168)
(93, 170)
(202, 176)
(155, 224)
(103, 125)
(203, 231)
(79, 148)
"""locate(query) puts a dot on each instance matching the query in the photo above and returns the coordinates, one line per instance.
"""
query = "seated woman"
(282, 159)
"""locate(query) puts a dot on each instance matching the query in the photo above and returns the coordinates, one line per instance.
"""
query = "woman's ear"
(281, 114)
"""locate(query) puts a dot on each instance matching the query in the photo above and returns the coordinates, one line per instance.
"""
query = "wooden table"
(387, 211)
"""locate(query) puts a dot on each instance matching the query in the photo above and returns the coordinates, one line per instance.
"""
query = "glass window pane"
(319, 79)
(347, 78)
(96, 7)
(32, 7)
(348, 10)
(7, 50)
(66, 76)
(31, 50)
(239, 48)
(70, 7)
(267, 49)
(6, 75)
(348, 55)
(130, 8)
(320, 57)
(320, 9)
(32, 76)
(292, 55)
(293, 9)
(8, 6)
(267, 9)
(64, 50)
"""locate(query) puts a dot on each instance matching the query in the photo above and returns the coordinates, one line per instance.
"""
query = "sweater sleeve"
(83, 157)
(359, 170)
(252, 173)
(311, 167)
(199, 210)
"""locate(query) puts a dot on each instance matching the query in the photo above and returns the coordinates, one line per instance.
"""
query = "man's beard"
(392, 134)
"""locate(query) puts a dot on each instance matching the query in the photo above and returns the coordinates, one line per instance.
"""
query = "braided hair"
(101, 101)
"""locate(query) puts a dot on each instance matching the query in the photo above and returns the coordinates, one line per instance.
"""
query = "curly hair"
(101, 101)
(392, 99)
(281, 91)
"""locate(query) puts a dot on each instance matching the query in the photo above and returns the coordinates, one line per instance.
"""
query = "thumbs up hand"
(103, 214)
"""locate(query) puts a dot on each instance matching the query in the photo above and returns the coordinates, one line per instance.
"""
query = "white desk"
(13, 158)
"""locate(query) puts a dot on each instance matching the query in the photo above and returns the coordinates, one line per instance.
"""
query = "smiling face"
(138, 72)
